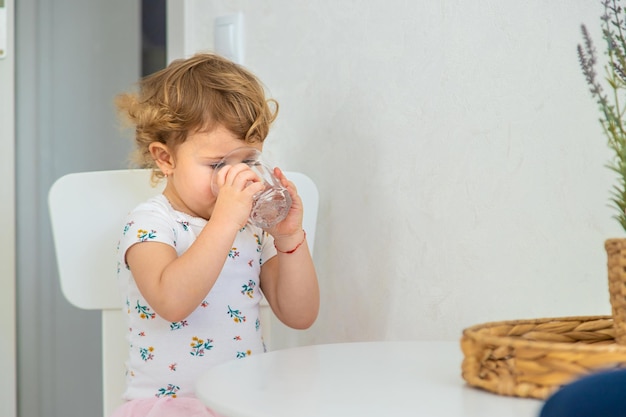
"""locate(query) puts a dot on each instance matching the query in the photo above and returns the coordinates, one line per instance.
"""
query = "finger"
(254, 187)
(245, 177)
(240, 175)
(220, 176)
(278, 173)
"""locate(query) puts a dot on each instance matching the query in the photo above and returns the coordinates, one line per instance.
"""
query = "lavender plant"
(611, 106)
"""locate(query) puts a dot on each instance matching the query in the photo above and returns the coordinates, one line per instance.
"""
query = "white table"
(417, 379)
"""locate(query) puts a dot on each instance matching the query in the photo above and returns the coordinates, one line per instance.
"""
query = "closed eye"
(251, 162)
(216, 165)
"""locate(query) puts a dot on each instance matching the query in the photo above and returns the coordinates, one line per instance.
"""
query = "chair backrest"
(87, 211)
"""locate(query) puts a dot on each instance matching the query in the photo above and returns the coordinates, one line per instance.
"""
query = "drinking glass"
(270, 206)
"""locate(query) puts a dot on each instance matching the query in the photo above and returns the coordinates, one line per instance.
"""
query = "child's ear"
(162, 156)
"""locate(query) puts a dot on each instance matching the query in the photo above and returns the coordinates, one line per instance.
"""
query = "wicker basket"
(616, 263)
(533, 358)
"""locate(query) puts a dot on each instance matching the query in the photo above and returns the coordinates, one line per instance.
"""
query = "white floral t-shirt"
(165, 358)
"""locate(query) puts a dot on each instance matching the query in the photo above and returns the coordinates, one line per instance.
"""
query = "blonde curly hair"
(195, 94)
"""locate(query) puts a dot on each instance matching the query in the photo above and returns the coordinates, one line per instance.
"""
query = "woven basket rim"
(472, 332)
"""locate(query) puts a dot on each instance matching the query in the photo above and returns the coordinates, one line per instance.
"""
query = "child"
(191, 267)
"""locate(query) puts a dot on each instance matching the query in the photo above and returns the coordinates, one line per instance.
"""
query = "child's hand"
(292, 224)
(237, 185)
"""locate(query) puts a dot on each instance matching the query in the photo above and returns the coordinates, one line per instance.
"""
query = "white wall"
(457, 151)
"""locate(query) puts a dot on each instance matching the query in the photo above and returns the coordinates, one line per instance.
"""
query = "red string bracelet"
(294, 249)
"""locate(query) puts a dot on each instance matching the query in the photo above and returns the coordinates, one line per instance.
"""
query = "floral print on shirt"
(166, 357)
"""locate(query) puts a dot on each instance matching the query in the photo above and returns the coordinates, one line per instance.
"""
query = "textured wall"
(456, 149)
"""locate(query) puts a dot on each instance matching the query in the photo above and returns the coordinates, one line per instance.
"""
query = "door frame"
(8, 394)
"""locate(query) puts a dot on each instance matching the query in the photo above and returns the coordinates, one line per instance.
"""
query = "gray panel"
(73, 56)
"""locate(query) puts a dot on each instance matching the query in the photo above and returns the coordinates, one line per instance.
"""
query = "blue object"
(597, 395)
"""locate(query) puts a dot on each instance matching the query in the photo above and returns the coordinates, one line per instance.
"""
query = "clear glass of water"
(270, 206)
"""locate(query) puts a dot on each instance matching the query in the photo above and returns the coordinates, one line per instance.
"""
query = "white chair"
(87, 211)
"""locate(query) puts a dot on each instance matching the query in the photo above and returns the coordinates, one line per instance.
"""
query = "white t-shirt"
(165, 358)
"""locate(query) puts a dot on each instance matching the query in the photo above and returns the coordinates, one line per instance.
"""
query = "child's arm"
(175, 285)
(288, 280)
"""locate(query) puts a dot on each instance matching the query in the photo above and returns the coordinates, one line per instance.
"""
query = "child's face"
(189, 187)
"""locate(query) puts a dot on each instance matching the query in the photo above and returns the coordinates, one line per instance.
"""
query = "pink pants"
(164, 407)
